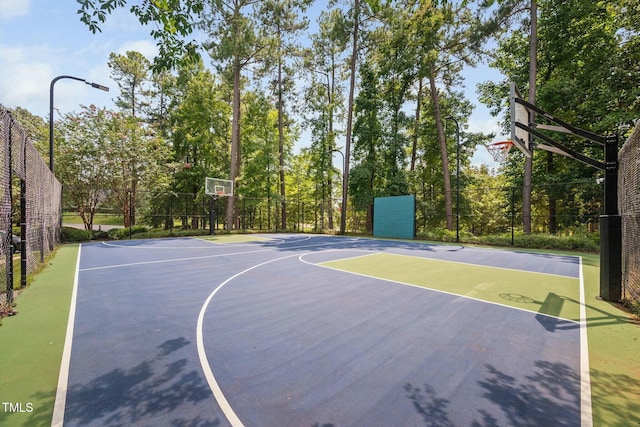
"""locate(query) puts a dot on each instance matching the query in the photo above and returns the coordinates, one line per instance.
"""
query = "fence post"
(9, 235)
(513, 214)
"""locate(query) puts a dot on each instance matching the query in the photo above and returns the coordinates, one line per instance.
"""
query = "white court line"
(145, 247)
(482, 265)
(248, 243)
(204, 362)
(586, 411)
(261, 239)
(132, 264)
(63, 376)
(436, 290)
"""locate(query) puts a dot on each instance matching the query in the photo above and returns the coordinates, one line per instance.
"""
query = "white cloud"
(146, 47)
(25, 79)
(27, 75)
(12, 8)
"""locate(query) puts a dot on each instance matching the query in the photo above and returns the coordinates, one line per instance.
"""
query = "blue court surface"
(188, 332)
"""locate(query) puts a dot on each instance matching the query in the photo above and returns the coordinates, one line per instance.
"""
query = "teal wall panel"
(394, 217)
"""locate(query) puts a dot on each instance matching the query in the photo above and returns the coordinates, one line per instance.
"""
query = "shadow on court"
(617, 396)
(549, 396)
(155, 388)
(550, 309)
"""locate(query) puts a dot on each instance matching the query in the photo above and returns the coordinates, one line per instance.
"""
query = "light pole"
(457, 176)
(53, 82)
(343, 206)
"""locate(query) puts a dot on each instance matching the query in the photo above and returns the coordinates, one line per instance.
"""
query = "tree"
(573, 83)
(35, 128)
(506, 12)
(368, 137)
(301, 184)
(173, 19)
(324, 103)
(355, 33)
(81, 164)
(134, 158)
(233, 44)
(105, 155)
(131, 72)
(200, 129)
(260, 131)
(489, 194)
(281, 24)
(418, 41)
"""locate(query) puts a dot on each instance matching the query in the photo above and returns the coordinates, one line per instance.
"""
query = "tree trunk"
(235, 141)
(283, 200)
(369, 220)
(347, 145)
(331, 146)
(528, 163)
(414, 148)
(448, 205)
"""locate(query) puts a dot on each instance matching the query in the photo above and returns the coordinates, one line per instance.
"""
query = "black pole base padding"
(611, 257)
(212, 215)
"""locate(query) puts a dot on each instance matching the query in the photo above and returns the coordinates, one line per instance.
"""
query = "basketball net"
(500, 150)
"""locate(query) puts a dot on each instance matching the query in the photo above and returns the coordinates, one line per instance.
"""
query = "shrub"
(100, 235)
(574, 242)
(123, 233)
(71, 234)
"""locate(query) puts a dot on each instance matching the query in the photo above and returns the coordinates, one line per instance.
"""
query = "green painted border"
(32, 342)
(614, 355)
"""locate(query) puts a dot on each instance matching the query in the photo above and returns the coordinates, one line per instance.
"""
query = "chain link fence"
(629, 206)
(564, 208)
(30, 207)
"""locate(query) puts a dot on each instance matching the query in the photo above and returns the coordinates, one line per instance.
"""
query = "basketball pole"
(611, 227)
(611, 221)
(457, 176)
(212, 214)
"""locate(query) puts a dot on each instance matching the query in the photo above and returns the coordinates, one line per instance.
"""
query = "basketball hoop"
(500, 150)
(217, 187)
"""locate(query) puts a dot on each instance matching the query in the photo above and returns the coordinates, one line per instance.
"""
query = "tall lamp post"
(343, 205)
(457, 176)
(53, 82)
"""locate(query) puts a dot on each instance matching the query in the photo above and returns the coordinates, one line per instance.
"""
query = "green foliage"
(70, 234)
(124, 233)
(131, 72)
(579, 243)
(633, 307)
(408, 54)
(173, 21)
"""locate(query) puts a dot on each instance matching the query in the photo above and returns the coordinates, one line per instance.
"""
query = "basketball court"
(295, 330)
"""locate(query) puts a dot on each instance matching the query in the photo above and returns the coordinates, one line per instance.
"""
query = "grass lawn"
(98, 219)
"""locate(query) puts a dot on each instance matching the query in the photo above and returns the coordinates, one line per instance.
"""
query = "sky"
(43, 39)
